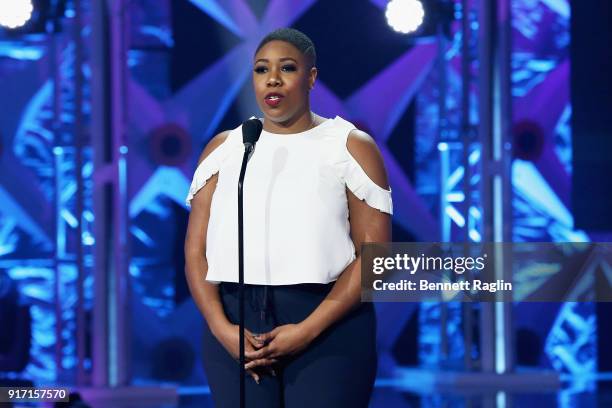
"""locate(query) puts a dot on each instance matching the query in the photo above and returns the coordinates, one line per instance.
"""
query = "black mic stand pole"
(248, 148)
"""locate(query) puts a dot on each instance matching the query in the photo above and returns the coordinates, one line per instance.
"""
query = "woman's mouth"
(273, 99)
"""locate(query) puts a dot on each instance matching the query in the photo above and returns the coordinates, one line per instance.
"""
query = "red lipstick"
(273, 99)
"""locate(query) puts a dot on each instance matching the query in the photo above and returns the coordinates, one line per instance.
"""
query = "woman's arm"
(204, 293)
(367, 225)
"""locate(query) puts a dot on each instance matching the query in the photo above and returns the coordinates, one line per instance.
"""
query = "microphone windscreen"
(251, 130)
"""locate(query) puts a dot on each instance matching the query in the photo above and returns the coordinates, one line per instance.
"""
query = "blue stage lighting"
(15, 13)
(405, 16)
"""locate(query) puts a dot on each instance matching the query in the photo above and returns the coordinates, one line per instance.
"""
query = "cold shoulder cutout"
(355, 177)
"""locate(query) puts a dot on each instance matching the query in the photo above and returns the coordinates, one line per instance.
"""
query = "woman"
(315, 190)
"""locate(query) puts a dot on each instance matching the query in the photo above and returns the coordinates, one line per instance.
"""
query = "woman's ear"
(312, 77)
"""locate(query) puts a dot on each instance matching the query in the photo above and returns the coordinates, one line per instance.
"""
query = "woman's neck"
(300, 123)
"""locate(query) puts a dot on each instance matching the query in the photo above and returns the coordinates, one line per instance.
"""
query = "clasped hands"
(266, 349)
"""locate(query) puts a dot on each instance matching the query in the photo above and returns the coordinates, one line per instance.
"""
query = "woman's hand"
(229, 337)
(283, 341)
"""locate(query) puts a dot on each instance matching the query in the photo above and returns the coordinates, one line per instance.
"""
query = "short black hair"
(294, 37)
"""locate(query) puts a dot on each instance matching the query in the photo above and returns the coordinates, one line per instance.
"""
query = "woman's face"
(282, 79)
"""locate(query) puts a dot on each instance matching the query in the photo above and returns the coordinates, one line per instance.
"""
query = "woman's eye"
(285, 68)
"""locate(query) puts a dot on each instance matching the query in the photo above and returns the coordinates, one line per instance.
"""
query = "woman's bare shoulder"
(213, 143)
(363, 148)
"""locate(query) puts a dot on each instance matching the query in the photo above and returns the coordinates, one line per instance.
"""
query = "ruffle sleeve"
(364, 188)
(208, 168)
(356, 179)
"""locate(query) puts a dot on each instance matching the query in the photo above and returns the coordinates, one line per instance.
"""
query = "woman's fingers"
(266, 337)
(262, 362)
(256, 343)
(254, 375)
(264, 352)
(253, 344)
(271, 370)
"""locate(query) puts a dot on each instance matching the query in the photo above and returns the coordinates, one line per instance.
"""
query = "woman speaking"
(315, 190)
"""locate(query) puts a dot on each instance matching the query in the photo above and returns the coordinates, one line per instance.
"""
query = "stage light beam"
(15, 13)
(405, 16)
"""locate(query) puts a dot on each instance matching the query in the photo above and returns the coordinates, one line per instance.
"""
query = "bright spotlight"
(405, 16)
(15, 13)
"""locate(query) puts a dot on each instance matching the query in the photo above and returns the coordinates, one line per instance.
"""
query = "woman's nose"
(273, 80)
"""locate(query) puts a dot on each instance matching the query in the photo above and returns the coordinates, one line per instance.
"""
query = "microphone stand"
(248, 149)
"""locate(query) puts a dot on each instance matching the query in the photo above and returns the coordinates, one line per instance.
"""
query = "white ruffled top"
(296, 226)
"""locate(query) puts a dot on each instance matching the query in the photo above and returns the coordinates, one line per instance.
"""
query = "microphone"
(251, 130)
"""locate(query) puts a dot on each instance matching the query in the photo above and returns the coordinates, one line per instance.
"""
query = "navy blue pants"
(337, 369)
